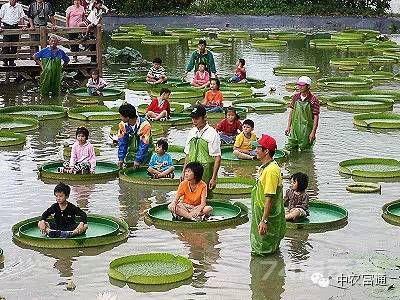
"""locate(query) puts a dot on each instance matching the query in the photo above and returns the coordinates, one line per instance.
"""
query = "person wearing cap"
(135, 144)
(203, 145)
(202, 55)
(303, 118)
(268, 223)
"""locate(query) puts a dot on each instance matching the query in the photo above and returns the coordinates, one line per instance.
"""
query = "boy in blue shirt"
(161, 165)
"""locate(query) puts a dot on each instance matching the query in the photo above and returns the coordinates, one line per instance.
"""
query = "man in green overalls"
(203, 145)
(268, 224)
(303, 118)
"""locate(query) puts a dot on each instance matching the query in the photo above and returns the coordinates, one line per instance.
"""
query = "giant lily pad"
(261, 105)
(9, 138)
(108, 94)
(42, 112)
(160, 40)
(295, 71)
(94, 113)
(371, 167)
(151, 268)
(359, 104)
(140, 176)
(17, 123)
(391, 212)
(378, 120)
(344, 83)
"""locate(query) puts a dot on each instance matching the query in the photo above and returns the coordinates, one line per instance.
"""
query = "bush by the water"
(126, 55)
(253, 7)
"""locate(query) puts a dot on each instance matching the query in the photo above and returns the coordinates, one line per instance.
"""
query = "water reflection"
(299, 245)
(267, 277)
(203, 248)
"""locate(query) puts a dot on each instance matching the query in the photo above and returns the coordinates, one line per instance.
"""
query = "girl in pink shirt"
(201, 78)
(83, 158)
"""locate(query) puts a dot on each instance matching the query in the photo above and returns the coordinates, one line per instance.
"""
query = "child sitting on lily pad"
(296, 198)
(83, 157)
(161, 165)
(159, 108)
(64, 212)
(242, 148)
(190, 199)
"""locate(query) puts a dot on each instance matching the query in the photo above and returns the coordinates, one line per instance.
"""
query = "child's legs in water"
(163, 114)
(242, 155)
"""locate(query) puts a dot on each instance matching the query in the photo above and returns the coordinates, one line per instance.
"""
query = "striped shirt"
(156, 72)
(310, 98)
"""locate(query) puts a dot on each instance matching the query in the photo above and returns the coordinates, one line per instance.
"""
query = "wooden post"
(99, 52)
(43, 36)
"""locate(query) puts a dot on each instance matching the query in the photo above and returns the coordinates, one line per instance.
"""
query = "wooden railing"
(26, 45)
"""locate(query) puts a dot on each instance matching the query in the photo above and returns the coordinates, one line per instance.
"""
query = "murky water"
(224, 268)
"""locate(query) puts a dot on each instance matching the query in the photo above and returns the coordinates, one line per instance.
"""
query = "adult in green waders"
(135, 144)
(202, 55)
(268, 224)
(203, 145)
(49, 59)
(303, 118)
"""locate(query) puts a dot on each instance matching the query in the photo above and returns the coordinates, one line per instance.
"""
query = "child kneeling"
(161, 165)
(64, 213)
(296, 198)
(193, 192)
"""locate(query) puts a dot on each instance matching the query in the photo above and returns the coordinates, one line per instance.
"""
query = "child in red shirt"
(159, 107)
(213, 98)
(240, 72)
(229, 127)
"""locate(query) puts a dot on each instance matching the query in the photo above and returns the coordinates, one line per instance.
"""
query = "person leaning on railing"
(40, 13)
(11, 14)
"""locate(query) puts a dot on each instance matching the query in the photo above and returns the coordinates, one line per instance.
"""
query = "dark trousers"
(10, 38)
(75, 47)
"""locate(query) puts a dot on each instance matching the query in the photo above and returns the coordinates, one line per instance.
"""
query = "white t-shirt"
(100, 83)
(208, 134)
(11, 15)
(96, 14)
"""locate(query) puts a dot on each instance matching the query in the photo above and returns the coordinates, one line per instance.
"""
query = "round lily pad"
(132, 27)
(359, 104)
(184, 33)
(355, 47)
(232, 35)
(386, 94)
(151, 268)
(323, 43)
(224, 214)
(227, 156)
(42, 112)
(18, 123)
(261, 105)
(347, 36)
(375, 76)
(126, 36)
(102, 230)
(234, 186)
(368, 33)
(371, 167)
(263, 43)
(378, 120)
(350, 61)
(344, 83)
(9, 138)
(94, 113)
(108, 94)
(104, 170)
(383, 60)
(286, 36)
(140, 176)
(323, 216)
(391, 212)
(295, 71)
(160, 40)
(363, 187)
(140, 84)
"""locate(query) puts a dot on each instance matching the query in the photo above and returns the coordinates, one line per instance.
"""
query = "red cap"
(267, 142)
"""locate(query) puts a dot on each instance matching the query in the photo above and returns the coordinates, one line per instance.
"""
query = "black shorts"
(69, 227)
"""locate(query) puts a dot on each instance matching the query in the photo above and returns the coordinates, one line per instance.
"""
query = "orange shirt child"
(189, 196)
(213, 98)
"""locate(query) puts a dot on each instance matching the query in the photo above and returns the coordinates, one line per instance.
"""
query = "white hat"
(304, 80)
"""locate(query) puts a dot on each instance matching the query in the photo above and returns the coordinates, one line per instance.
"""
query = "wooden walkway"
(89, 54)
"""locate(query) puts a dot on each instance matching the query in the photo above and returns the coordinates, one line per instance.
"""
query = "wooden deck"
(89, 54)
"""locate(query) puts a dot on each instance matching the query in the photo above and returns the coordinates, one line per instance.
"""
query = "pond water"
(223, 265)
